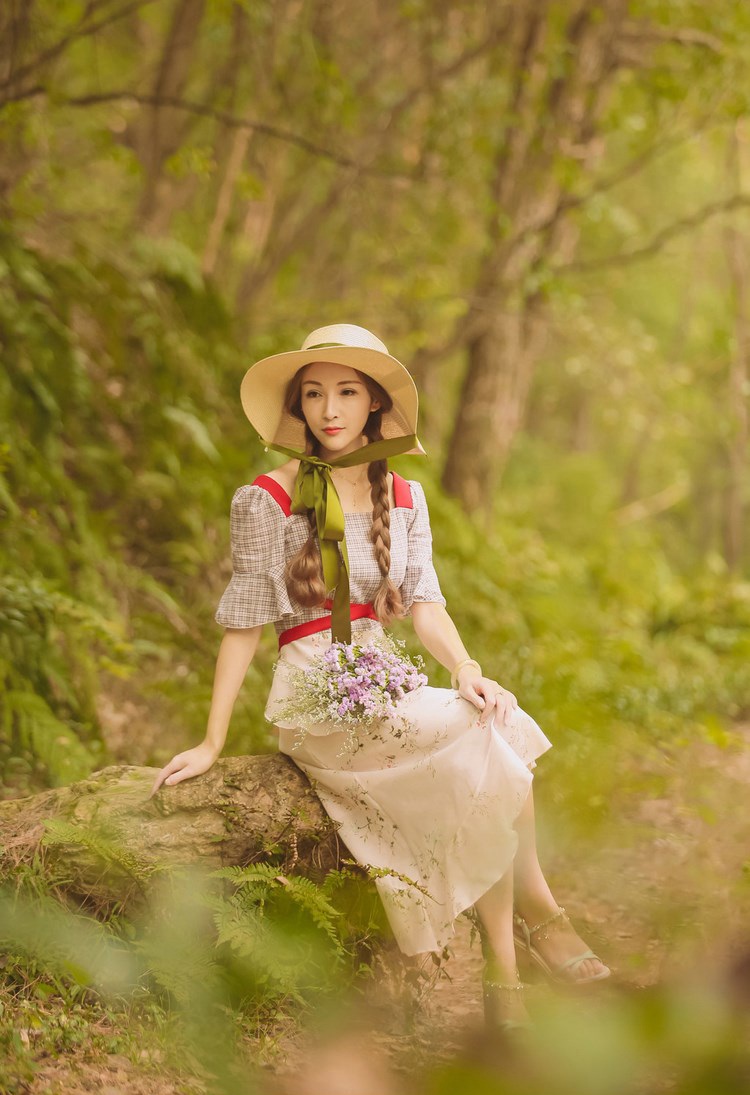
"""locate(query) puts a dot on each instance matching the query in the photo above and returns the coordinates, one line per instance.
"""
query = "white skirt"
(429, 797)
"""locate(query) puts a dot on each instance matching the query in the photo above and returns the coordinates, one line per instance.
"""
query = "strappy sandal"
(564, 974)
(496, 997)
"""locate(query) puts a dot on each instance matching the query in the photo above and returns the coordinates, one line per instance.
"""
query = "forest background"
(541, 207)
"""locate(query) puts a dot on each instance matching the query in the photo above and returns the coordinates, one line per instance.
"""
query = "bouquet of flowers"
(352, 685)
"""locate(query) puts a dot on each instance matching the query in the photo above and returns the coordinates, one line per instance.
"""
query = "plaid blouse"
(263, 536)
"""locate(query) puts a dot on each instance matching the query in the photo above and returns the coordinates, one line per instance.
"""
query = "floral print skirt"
(428, 797)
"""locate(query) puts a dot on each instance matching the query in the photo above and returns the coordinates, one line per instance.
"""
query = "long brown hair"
(304, 571)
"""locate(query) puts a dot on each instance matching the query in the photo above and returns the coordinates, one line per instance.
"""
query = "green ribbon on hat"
(315, 489)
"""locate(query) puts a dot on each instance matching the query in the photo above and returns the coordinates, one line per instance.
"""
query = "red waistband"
(357, 612)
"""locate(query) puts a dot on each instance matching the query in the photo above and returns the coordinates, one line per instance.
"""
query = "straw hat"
(264, 384)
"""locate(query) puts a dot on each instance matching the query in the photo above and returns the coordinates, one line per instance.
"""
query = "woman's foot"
(551, 942)
(504, 1008)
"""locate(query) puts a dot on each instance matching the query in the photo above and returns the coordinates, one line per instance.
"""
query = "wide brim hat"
(264, 385)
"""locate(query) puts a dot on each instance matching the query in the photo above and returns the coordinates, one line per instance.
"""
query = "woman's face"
(336, 405)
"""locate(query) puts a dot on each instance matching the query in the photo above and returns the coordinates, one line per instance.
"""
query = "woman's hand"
(193, 762)
(489, 696)
(438, 633)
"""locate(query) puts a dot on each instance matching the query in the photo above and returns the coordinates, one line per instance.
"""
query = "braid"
(387, 601)
(303, 573)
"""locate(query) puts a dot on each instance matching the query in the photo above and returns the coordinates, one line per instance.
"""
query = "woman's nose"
(331, 408)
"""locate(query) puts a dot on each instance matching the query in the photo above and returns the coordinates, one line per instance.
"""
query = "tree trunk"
(555, 121)
(225, 197)
(739, 372)
(161, 128)
(102, 838)
(16, 32)
(497, 381)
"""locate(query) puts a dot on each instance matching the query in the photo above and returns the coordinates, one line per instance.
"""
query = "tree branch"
(79, 31)
(682, 36)
(452, 68)
(669, 232)
(223, 116)
(643, 508)
(607, 182)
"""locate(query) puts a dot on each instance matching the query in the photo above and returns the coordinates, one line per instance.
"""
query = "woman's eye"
(344, 391)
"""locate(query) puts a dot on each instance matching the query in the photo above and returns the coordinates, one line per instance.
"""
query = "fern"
(284, 926)
(303, 893)
(51, 648)
(254, 872)
(40, 934)
(310, 898)
(103, 841)
(389, 872)
(244, 929)
(180, 965)
(27, 718)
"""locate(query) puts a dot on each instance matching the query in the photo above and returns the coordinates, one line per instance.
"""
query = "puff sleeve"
(420, 580)
(257, 592)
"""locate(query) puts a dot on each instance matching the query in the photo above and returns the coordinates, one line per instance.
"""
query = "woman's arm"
(438, 634)
(236, 652)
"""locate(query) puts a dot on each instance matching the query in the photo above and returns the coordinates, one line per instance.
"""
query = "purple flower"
(356, 684)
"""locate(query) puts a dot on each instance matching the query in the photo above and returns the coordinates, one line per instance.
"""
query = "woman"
(440, 800)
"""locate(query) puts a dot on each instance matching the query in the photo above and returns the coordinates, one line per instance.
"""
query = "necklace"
(356, 486)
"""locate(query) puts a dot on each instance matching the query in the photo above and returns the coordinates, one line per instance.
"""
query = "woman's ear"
(375, 405)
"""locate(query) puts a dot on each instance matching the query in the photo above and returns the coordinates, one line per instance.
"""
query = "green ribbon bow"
(314, 489)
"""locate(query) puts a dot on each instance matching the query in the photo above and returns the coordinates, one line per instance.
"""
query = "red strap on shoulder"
(276, 491)
(402, 492)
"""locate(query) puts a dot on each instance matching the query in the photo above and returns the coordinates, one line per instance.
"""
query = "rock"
(102, 838)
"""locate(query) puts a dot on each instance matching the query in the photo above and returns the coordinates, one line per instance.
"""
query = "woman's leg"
(535, 903)
(503, 1001)
(495, 910)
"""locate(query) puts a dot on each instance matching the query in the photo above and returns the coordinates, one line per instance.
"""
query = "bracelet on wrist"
(457, 669)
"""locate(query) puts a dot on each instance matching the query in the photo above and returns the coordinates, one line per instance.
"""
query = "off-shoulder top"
(264, 533)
